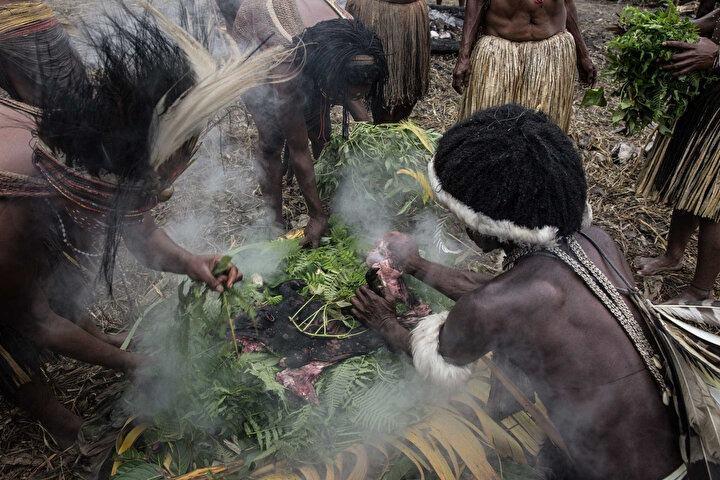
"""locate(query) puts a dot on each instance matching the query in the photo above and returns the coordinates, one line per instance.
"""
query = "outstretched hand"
(200, 268)
(314, 231)
(375, 312)
(692, 57)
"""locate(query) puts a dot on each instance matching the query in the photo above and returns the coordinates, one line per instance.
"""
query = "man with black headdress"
(517, 183)
(339, 62)
(84, 172)
(33, 47)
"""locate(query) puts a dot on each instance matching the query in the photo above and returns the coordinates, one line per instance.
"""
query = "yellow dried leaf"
(435, 458)
(422, 180)
(131, 437)
(420, 134)
(456, 435)
(360, 469)
(310, 473)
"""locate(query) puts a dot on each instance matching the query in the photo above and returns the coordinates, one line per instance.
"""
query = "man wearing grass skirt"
(404, 28)
(521, 51)
(683, 170)
(515, 180)
(335, 60)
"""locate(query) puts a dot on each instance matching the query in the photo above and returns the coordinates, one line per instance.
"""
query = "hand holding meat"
(692, 57)
(375, 312)
(403, 250)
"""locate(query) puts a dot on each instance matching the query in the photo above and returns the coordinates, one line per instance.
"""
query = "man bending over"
(517, 183)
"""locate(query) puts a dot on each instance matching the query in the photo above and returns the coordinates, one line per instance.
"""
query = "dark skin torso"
(539, 314)
(525, 20)
(520, 21)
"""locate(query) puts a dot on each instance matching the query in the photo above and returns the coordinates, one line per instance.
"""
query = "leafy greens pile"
(332, 272)
(647, 92)
(218, 405)
(384, 166)
(215, 412)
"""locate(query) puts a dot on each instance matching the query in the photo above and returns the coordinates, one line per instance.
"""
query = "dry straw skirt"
(683, 169)
(539, 75)
(404, 29)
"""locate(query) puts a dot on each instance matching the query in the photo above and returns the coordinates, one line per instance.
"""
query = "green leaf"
(138, 470)
(594, 97)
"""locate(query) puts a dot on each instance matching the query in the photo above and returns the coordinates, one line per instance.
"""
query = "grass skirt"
(538, 75)
(683, 169)
(405, 32)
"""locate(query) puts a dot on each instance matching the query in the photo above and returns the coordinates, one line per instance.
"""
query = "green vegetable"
(222, 266)
(594, 97)
(210, 405)
(647, 92)
(332, 272)
(384, 167)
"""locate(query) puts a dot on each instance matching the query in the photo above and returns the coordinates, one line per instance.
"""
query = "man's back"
(598, 392)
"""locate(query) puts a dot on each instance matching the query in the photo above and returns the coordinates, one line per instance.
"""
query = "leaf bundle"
(647, 92)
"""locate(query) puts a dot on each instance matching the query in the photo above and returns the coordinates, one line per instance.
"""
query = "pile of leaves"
(382, 167)
(331, 272)
(212, 410)
(647, 92)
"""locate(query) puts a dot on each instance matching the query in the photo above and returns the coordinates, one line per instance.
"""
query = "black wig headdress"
(334, 57)
(510, 173)
(133, 124)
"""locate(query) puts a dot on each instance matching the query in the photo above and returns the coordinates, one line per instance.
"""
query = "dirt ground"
(229, 210)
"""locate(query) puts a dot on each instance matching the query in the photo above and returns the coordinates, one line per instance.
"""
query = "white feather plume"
(190, 113)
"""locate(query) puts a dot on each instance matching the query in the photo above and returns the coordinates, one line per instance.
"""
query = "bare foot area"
(654, 265)
(691, 294)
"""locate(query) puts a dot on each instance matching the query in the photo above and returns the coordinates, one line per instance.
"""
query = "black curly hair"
(330, 47)
(512, 163)
(101, 122)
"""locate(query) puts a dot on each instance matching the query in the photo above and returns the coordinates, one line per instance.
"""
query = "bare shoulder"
(17, 140)
(488, 317)
(523, 293)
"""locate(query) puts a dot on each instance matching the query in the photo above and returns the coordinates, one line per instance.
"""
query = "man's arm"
(466, 334)
(471, 28)
(152, 246)
(706, 23)
(292, 123)
(588, 72)
(450, 282)
(705, 7)
(358, 111)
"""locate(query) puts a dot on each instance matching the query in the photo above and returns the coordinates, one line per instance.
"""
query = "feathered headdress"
(135, 123)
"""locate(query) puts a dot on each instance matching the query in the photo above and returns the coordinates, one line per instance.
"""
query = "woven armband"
(426, 358)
